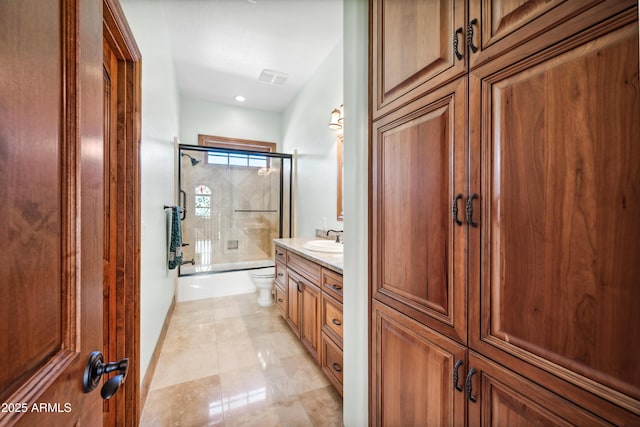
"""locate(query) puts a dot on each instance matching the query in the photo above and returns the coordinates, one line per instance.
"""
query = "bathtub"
(200, 286)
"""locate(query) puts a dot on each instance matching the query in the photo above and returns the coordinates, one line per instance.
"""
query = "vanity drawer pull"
(280, 300)
(280, 274)
(337, 287)
(337, 367)
(336, 322)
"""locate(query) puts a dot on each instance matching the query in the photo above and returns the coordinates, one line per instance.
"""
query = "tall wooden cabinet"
(505, 191)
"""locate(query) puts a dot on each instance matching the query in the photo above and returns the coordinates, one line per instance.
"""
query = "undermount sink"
(324, 246)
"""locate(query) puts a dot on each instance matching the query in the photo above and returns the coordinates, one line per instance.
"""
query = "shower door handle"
(183, 203)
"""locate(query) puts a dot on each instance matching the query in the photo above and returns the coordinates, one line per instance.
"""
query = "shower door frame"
(269, 154)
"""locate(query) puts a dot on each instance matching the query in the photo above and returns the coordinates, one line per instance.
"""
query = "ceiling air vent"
(273, 77)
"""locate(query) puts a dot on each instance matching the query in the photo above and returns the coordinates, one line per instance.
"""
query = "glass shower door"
(236, 203)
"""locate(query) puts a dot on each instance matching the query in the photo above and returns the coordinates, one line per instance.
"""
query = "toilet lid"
(265, 272)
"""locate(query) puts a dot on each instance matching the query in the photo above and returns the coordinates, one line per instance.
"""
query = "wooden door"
(504, 398)
(110, 76)
(310, 317)
(522, 27)
(418, 247)
(413, 372)
(52, 193)
(554, 275)
(293, 302)
(413, 48)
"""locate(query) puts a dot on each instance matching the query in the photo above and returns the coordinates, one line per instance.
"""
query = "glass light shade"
(335, 117)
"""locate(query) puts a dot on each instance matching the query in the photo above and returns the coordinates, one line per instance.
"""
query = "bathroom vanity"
(308, 292)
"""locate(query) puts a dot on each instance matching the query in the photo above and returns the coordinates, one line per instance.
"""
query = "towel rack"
(183, 212)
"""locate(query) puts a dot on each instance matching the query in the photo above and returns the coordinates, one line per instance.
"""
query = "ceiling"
(221, 47)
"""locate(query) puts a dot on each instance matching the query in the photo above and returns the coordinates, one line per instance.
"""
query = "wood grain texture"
(561, 178)
(508, 399)
(310, 299)
(413, 49)
(412, 371)
(293, 302)
(122, 175)
(331, 362)
(32, 189)
(54, 195)
(331, 318)
(418, 166)
(523, 27)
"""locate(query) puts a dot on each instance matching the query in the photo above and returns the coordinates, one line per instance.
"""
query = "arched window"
(203, 201)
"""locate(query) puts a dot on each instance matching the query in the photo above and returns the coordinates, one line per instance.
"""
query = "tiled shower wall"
(230, 234)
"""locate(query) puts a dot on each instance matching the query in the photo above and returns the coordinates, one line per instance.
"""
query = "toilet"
(263, 279)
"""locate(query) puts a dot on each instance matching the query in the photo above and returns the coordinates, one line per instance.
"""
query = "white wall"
(202, 117)
(305, 129)
(159, 127)
(356, 294)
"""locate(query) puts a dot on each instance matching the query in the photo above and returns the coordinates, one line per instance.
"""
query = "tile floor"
(229, 362)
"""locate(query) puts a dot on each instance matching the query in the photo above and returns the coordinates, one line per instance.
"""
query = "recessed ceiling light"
(240, 98)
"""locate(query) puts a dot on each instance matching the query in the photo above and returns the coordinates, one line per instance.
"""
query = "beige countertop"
(332, 261)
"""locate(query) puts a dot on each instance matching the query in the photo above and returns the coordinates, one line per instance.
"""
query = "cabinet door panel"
(310, 318)
(502, 26)
(554, 265)
(412, 370)
(418, 168)
(413, 48)
(293, 302)
(507, 399)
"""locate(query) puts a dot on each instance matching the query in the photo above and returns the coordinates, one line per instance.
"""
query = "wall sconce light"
(337, 118)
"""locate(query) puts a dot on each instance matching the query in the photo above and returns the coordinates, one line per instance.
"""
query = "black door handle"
(473, 48)
(454, 209)
(455, 375)
(469, 387)
(470, 210)
(455, 43)
(94, 370)
(183, 207)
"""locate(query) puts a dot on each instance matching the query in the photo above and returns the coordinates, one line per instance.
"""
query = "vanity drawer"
(310, 270)
(281, 274)
(332, 283)
(331, 359)
(281, 254)
(281, 301)
(332, 318)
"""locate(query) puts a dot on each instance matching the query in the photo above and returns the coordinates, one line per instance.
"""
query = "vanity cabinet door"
(310, 298)
(293, 302)
(418, 243)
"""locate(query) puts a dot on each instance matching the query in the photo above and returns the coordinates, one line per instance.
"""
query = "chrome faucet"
(337, 233)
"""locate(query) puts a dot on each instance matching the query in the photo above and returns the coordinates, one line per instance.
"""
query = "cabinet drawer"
(305, 267)
(332, 318)
(331, 360)
(281, 300)
(281, 273)
(281, 254)
(332, 283)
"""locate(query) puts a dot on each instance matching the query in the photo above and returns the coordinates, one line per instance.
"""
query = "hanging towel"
(174, 258)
